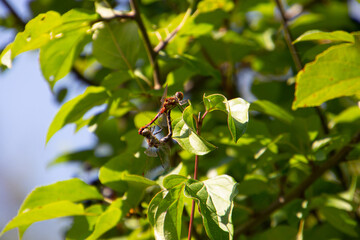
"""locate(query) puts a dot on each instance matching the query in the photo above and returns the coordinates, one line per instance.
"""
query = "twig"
(288, 37)
(82, 78)
(14, 13)
(296, 58)
(163, 44)
(149, 50)
(199, 121)
(300, 189)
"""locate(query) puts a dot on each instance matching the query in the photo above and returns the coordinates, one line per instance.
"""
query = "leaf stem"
(149, 50)
(299, 190)
(199, 121)
(296, 58)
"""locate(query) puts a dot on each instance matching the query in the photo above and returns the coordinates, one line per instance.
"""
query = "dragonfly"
(155, 144)
(167, 103)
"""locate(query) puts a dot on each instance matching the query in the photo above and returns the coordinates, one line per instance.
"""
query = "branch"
(163, 44)
(149, 50)
(300, 189)
(14, 13)
(82, 78)
(296, 58)
(288, 37)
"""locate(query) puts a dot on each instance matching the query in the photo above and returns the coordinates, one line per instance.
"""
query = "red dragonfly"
(154, 142)
(167, 103)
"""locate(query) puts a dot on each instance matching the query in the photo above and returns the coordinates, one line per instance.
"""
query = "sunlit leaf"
(107, 220)
(336, 36)
(73, 190)
(44, 212)
(335, 73)
(188, 117)
(58, 56)
(116, 45)
(214, 197)
(212, 5)
(215, 102)
(74, 109)
(190, 141)
(36, 34)
(166, 209)
(238, 117)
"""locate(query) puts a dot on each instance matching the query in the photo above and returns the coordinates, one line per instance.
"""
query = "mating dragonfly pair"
(155, 144)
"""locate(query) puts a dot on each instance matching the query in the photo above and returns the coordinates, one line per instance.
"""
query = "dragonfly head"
(145, 132)
(179, 95)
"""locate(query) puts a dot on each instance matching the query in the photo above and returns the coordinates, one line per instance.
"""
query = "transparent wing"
(151, 152)
(164, 96)
(164, 155)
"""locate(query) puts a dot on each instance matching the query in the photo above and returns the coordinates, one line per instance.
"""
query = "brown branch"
(288, 37)
(82, 78)
(14, 13)
(149, 50)
(296, 58)
(164, 43)
(300, 189)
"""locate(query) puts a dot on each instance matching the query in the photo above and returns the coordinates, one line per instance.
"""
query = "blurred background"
(27, 107)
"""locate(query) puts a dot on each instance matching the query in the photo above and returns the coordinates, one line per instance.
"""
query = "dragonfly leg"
(169, 135)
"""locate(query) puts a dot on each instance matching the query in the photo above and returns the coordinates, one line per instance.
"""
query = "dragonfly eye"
(179, 95)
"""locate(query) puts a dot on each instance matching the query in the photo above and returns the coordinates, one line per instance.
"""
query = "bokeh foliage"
(292, 174)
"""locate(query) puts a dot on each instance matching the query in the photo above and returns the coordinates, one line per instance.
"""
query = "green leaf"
(190, 141)
(73, 190)
(340, 220)
(115, 79)
(238, 117)
(215, 198)
(189, 116)
(44, 212)
(215, 102)
(74, 109)
(83, 226)
(116, 45)
(335, 73)
(173, 180)
(273, 110)
(212, 5)
(253, 184)
(36, 34)
(65, 45)
(166, 209)
(199, 66)
(336, 36)
(58, 56)
(281, 232)
(107, 220)
(123, 170)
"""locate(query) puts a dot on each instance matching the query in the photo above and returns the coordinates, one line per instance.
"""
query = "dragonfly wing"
(164, 96)
(151, 152)
(164, 154)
